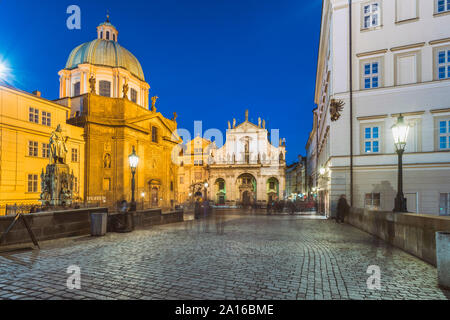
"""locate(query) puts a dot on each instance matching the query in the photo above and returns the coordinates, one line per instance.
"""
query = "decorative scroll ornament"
(336, 107)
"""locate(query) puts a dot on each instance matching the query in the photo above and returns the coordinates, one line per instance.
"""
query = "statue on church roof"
(175, 115)
(154, 103)
(234, 123)
(246, 115)
(259, 122)
(229, 125)
(264, 124)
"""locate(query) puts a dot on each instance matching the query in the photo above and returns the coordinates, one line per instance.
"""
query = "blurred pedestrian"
(220, 221)
(342, 209)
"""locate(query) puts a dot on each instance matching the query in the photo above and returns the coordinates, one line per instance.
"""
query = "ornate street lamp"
(133, 159)
(400, 132)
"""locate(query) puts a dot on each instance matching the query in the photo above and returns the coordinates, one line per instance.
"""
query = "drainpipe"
(351, 97)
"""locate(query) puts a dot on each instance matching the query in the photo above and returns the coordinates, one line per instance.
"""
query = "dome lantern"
(106, 31)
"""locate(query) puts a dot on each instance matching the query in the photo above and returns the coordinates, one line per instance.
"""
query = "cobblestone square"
(257, 257)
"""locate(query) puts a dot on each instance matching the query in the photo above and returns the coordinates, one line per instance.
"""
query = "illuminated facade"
(192, 172)
(105, 89)
(26, 122)
(399, 64)
(248, 167)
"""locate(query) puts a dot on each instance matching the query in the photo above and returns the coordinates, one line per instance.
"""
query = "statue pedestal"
(57, 185)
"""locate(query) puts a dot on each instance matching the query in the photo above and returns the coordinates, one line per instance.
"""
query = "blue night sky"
(205, 59)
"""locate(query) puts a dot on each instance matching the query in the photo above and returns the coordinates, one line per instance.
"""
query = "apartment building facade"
(379, 59)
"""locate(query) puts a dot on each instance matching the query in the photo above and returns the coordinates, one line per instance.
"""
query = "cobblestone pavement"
(257, 257)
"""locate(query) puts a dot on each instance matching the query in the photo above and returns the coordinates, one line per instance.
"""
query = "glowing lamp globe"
(400, 132)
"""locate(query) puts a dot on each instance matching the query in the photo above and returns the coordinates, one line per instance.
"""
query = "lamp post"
(400, 132)
(206, 185)
(133, 159)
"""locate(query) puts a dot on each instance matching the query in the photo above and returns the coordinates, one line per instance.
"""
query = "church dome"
(101, 52)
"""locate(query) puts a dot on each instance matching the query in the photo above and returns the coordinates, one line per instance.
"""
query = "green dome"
(105, 53)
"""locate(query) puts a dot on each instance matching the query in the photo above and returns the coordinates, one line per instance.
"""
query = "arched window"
(101, 34)
(107, 35)
(114, 37)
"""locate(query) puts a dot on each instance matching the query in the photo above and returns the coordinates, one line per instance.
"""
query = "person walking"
(342, 209)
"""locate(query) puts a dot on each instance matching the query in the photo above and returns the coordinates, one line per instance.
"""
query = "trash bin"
(443, 258)
(98, 223)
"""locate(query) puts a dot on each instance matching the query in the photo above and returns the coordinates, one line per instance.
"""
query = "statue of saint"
(229, 125)
(125, 90)
(264, 124)
(154, 103)
(175, 116)
(107, 161)
(92, 83)
(259, 122)
(58, 148)
(234, 123)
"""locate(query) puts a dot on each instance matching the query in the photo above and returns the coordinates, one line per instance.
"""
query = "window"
(371, 75)
(444, 204)
(32, 183)
(101, 34)
(171, 185)
(406, 65)
(74, 155)
(154, 134)
(371, 15)
(76, 89)
(105, 88)
(46, 118)
(443, 63)
(372, 201)
(442, 5)
(32, 148)
(133, 94)
(107, 35)
(114, 36)
(444, 134)
(33, 115)
(75, 184)
(198, 163)
(45, 150)
(271, 185)
(221, 185)
(198, 151)
(371, 139)
(406, 9)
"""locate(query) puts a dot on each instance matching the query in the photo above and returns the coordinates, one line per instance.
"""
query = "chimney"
(37, 93)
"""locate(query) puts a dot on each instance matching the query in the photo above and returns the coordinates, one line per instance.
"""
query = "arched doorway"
(247, 188)
(273, 189)
(220, 190)
(154, 197)
(154, 187)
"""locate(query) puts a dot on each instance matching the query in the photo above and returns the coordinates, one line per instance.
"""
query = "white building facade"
(397, 61)
(248, 168)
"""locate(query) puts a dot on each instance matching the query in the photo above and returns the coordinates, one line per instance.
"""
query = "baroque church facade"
(104, 87)
(248, 168)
